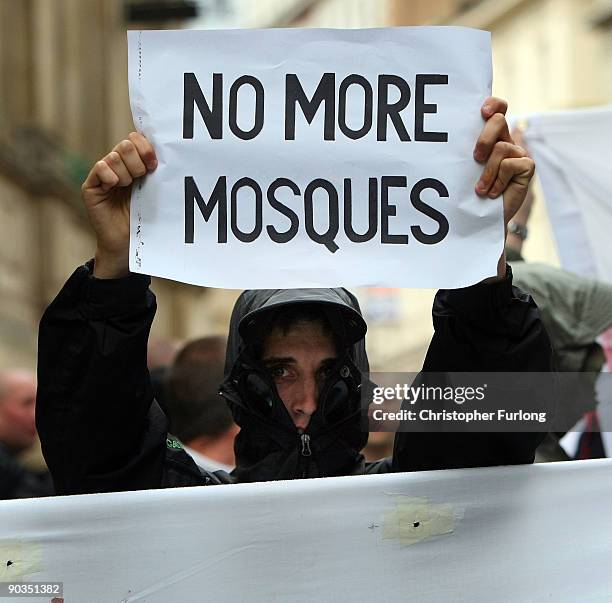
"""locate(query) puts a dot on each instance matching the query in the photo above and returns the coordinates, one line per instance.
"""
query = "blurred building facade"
(64, 103)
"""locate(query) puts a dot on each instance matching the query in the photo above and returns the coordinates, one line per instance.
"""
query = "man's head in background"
(17, 406)
(199, 416)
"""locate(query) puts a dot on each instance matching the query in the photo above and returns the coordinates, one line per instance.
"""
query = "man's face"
(17, 405)
(299, 361)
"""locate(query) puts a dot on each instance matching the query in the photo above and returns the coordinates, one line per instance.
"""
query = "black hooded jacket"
(101, 429)
(269, 446)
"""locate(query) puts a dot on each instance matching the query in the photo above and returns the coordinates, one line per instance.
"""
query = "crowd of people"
(280, 397)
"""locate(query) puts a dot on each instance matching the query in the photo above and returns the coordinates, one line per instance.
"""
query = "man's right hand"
(106, 193)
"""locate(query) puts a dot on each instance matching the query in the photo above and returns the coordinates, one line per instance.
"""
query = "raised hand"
(106, 194)
(508, 169)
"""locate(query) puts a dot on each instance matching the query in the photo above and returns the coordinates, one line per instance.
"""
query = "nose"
(305, 406)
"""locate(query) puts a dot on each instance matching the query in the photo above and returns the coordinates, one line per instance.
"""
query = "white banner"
(572, 150)
(531, 533)
(313, 158)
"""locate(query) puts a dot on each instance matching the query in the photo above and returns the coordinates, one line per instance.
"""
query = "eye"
(279, 372)
(325, 371)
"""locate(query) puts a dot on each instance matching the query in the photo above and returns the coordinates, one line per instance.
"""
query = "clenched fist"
(106, 193)
(508, 168)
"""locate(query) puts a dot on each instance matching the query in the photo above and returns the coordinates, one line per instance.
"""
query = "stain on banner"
(416, 519)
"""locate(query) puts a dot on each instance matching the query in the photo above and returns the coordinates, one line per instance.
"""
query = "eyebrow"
(279, 360)
(330, 360)
(291, 360)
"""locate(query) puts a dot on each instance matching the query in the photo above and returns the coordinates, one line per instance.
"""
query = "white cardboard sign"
(313, 158)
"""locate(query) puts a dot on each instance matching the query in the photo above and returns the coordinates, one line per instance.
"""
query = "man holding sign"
(296, 357)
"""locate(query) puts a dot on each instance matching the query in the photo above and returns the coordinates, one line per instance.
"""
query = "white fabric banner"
(572, 150)
(572, 153)
(530, 533)
(313, 158)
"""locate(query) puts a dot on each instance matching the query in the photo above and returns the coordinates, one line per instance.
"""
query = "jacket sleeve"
(492, 327)
(99, 425)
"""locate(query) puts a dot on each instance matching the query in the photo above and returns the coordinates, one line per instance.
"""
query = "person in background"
(17, 434)
(379, 446)
(575, 311)
(199, 416)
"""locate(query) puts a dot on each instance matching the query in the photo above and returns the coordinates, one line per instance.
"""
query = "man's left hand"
(508, 169)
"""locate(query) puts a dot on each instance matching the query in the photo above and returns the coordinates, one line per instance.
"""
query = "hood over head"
(269, 446)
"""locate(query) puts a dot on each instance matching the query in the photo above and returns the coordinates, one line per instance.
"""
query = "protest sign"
(313, 158)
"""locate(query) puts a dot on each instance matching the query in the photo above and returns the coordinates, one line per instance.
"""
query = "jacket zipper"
(305, 438)
(305, 451)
